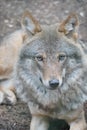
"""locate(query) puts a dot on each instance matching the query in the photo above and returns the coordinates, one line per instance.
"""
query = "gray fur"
(67, 97)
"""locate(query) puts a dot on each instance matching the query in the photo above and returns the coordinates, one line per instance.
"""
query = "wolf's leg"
(39, 123)
(7, 92)
(79, 124)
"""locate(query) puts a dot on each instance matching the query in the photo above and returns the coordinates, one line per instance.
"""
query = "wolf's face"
(52, 58)
(51, 65)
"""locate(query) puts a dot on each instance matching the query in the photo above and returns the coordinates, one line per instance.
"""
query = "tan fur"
(35, 22)
(64, 23)
(9, 49)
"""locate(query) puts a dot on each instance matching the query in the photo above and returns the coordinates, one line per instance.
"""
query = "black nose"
(53, 83)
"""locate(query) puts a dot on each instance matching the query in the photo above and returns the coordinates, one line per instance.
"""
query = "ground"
(17, 117)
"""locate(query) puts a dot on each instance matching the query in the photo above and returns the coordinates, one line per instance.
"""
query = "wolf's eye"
(39, 58)
(61, 57)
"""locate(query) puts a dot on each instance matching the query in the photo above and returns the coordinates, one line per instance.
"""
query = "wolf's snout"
(54, 83)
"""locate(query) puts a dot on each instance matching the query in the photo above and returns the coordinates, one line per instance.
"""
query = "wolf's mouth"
(51, 88)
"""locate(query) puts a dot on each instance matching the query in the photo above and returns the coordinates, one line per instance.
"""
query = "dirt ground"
(17, 117)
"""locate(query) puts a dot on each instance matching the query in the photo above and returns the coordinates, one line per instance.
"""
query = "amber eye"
(61, 57)
(39, 58)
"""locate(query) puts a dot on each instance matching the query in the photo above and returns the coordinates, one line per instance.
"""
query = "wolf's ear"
(70, 26)
(29, 23)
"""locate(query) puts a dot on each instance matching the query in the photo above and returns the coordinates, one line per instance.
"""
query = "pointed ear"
(29, 23)
(70, 26)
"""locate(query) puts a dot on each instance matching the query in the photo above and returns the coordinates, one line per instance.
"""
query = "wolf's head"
(52, 55)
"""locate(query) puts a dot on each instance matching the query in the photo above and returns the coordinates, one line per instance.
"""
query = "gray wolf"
(51, 73)
(9, 48)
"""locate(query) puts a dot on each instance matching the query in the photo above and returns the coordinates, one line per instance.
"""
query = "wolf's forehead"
(46, 39)
(50, 40)
(48, 43)
(50, 33)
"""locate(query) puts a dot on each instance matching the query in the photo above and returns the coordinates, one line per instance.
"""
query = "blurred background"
(46, 11)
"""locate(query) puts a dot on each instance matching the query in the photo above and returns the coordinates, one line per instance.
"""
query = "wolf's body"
(51, 74)
(9, 49)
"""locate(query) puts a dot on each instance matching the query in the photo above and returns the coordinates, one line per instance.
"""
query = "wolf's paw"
(7, 96)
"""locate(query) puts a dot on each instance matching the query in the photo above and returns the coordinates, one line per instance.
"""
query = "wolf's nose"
(53, 83)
